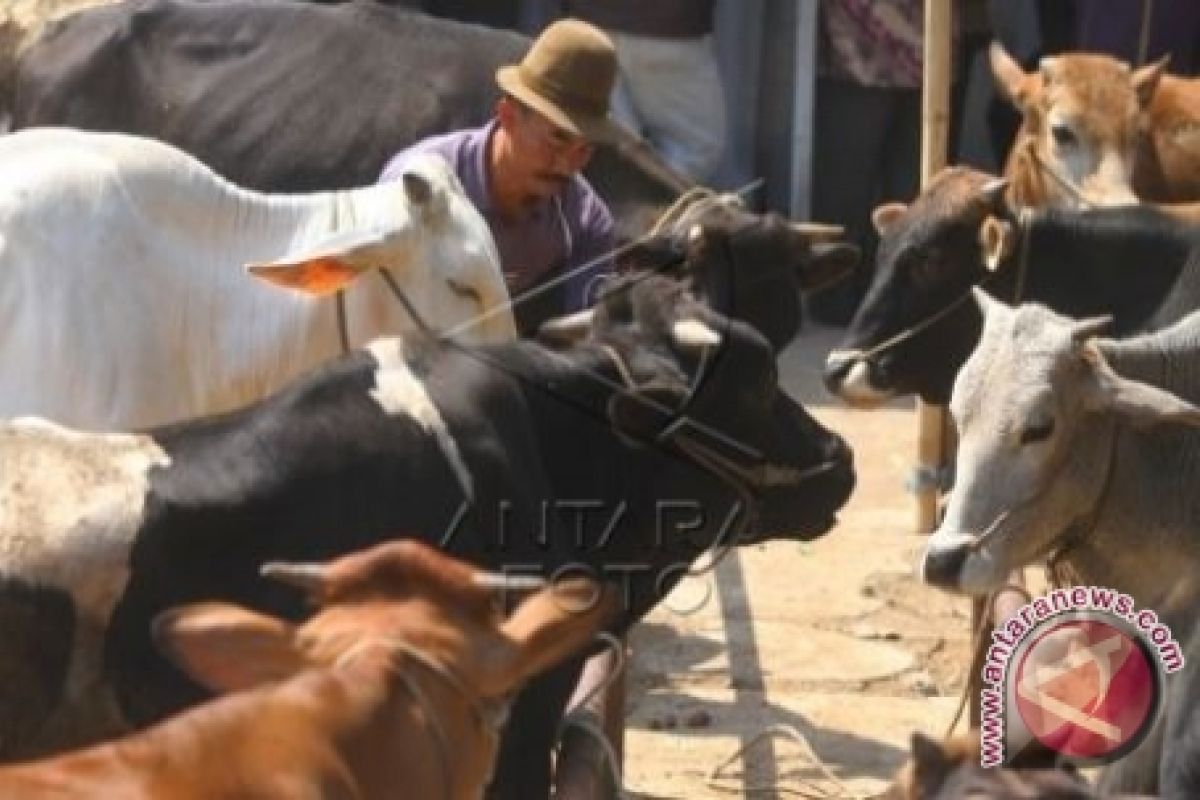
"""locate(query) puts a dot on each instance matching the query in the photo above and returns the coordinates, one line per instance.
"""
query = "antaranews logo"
(1078, 671)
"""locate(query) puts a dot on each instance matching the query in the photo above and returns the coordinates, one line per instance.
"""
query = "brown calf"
(1113, 133)
(396, 688)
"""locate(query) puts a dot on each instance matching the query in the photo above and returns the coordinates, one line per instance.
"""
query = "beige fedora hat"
(567, 76)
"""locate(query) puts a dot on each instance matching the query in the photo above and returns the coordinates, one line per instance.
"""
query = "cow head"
(930, 254)
(700, 381)
(426, 227)
(1037, 408)
(951, 769)
(416, 617)
(1082, 119)
(748, 266)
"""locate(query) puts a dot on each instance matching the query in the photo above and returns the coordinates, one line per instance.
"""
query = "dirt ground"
(835, 638)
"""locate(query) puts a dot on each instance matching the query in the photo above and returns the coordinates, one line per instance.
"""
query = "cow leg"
(39, 628)
(523, 768)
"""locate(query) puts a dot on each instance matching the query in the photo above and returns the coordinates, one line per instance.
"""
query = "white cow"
(125, 298)
(1083, 452)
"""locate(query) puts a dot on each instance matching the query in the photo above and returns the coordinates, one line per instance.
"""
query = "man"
(522, 170)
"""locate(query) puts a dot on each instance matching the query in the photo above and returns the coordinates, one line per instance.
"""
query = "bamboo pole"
(935, 134)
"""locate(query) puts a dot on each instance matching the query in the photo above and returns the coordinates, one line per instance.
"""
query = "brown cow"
(396, 688)
(1115, 133)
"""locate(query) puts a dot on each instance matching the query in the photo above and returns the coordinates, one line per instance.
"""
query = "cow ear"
(417, 188)
(328, 266)
(1138, 403)
(1012, 81)
(691, 334)
(551, 625)
(827, 264)
(885, 217)
(1145, 80)
(997, 241)
(227, 648)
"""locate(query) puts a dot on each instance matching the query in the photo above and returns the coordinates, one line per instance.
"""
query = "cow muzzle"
(855, 379)
(957, 562)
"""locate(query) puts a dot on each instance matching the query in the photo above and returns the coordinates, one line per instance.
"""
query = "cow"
(124, 293)
(408, 656)
(631, 439)
(951, 770)
(916, 326)
(753, 267)
(285, 96)
(1079, 453)
(1094, 131)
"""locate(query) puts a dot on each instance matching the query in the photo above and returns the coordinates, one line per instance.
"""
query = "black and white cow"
(645, 434)
(916, 326)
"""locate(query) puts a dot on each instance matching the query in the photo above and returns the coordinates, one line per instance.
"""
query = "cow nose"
(942, 566)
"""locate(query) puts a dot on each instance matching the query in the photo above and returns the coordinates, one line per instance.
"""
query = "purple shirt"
(560, 235)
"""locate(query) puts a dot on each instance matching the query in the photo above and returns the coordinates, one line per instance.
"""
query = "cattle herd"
(269, 432)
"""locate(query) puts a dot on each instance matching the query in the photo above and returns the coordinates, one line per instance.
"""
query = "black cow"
(644, 435)
(281, 96)
(749, 266)
(1135, 263)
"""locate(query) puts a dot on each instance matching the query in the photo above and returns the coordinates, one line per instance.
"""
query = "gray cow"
(1062, 457)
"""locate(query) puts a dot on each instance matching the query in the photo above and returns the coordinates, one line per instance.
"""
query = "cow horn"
(691, 334)
(819, 231)
(501, 582)
(1085, 329)
(993, 191)
(568, 328)
(309, 577)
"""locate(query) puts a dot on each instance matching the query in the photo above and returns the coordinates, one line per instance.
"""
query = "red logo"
(1087, 689)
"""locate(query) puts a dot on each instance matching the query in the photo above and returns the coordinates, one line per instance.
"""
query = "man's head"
(555, 107)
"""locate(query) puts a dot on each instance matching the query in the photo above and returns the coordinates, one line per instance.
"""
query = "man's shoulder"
(452, 146)
(585, 204)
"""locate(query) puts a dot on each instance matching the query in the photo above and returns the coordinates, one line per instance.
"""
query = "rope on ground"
(788, 732)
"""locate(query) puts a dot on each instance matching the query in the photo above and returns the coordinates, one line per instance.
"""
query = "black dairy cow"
(646, 433)
(280, 96)
(917, 325)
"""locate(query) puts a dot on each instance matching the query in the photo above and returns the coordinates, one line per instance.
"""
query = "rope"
(1063, 181)
(787, 732)
(1144, 36)
(689, 196)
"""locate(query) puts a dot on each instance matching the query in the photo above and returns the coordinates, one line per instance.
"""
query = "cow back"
(281, 96)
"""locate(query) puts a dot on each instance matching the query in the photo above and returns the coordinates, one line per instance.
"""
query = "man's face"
(544, 156)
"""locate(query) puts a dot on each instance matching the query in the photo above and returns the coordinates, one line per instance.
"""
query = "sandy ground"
(835, 638)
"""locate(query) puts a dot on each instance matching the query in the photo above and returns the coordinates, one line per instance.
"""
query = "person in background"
(868, 126)
(521, 170)
(670, 90)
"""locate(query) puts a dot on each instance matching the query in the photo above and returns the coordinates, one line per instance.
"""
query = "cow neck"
(1059, 570)
(397, 293)
(488, 715)
(1026, 153)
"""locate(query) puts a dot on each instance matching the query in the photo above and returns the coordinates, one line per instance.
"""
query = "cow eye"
(1063, 135)
(1037, 433)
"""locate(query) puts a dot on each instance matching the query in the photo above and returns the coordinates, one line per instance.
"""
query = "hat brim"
(596, 129)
